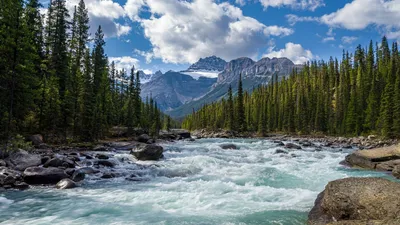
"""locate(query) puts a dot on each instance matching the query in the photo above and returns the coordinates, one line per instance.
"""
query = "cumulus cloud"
(184, 31)
(124, 62)
(349, 39)
(296, 4)
(359, 14)
(104, 13)
(294, 52)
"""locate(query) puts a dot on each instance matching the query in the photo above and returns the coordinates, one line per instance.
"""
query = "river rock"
(356, 200)
(280, 151)
(20, 160)
(396, 171)
(106, 163)
(148, 152)
(88, 170)
(388, 165)
(279, 143)
(36, 139)
(292, 146)
(108, 176)
(2, 163)
(144, 138)
(371, 158)
(60, 162)
(78, 176)
(229, 146)
(42, 175)
(65, 184)
(102, 156)
(184, 134)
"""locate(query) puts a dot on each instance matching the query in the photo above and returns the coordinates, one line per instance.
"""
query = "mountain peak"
(211, 63)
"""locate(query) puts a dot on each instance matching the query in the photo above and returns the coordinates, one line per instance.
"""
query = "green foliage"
(52, 83)
(359, 95)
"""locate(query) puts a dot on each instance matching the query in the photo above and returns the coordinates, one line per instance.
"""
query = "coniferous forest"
(359, 95)
(55, 78)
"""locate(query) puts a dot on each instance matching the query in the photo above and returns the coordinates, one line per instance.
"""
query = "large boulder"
(65, 184)
(20, 160)
(42, 175)
(369, 159)
(148, 152)
(357, 200)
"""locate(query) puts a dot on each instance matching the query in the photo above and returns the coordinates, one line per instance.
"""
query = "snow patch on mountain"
(197, 74)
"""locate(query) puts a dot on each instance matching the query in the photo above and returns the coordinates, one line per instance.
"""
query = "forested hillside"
(358, 95)
(52, 83)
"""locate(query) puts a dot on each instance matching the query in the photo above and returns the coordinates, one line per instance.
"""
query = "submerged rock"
(292, 146)
(65, 184)
(106, 163)
(87, 170)
(357, 200)
(102, 156)
(229, 146)
(148, 152)
(281, 151)
(41, 175)
(78, 175)
(20, 160)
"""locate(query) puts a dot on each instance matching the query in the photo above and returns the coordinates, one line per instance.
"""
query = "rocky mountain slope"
(173, 89)
(253, 75)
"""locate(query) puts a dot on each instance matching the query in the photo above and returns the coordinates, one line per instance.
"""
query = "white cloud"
(240, 2)
(330, 32)
(124, 62)
(296, 4)
(132, 8)
(184, 31)
(294, 52)
(359, 14)
(349, 39)
(293, 19)
(327, 39)
(104, 13)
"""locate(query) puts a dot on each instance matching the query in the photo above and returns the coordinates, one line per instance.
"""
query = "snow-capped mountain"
(208, 67)
(253, 74)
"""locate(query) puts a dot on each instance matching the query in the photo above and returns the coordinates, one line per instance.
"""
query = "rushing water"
(196, 183)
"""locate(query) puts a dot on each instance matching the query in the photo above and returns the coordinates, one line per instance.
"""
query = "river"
(196, 183)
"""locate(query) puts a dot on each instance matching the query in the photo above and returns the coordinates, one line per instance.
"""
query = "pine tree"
(240, 111)
(231, 119)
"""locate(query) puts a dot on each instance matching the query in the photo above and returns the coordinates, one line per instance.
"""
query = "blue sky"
(171, 34)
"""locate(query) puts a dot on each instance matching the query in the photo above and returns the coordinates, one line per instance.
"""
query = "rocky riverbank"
(361, 142)
(67, 166)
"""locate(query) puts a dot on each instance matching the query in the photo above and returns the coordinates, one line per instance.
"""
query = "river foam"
(195, 183)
